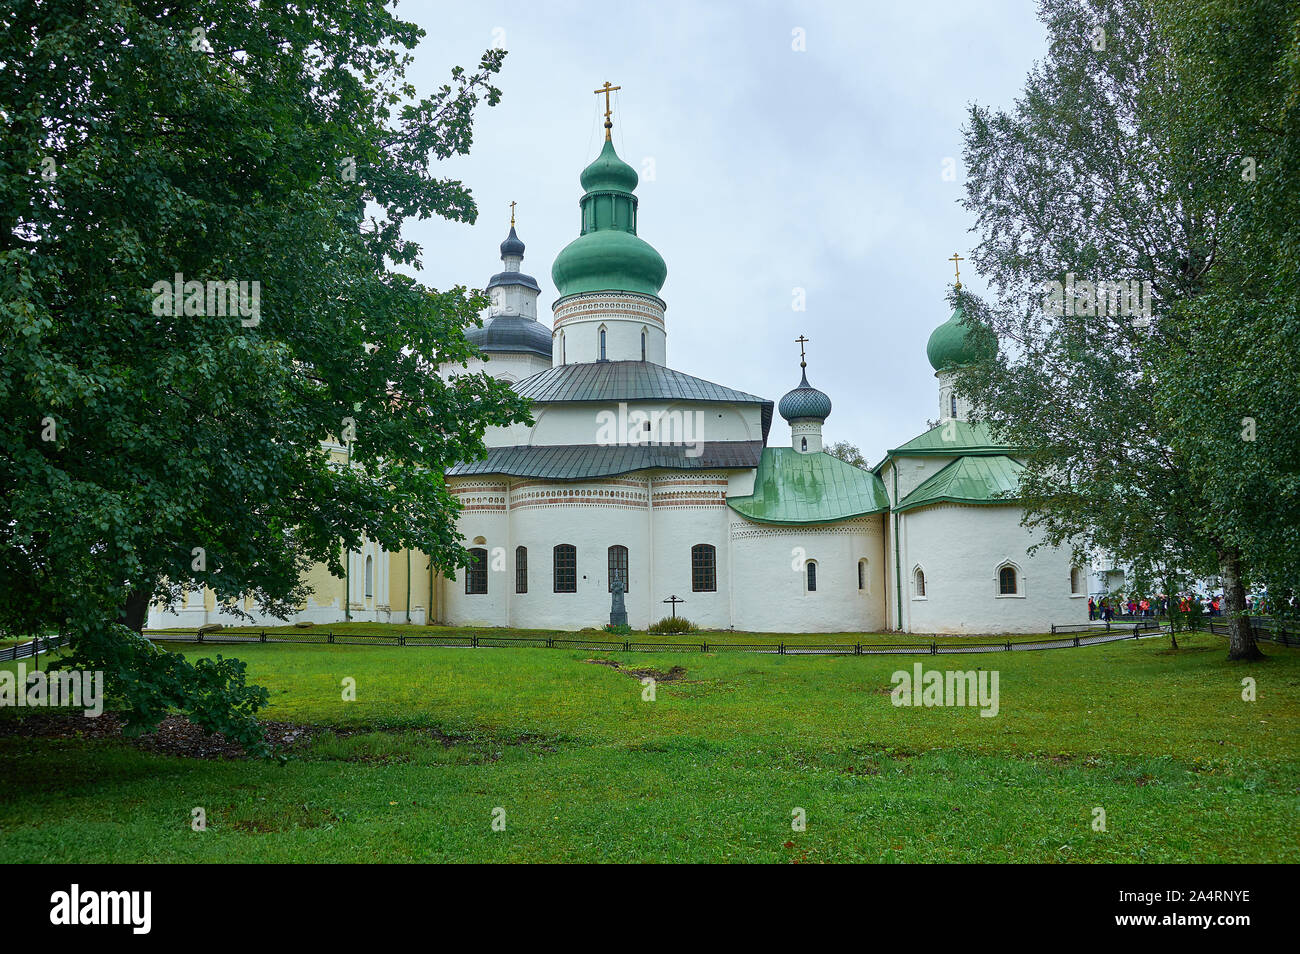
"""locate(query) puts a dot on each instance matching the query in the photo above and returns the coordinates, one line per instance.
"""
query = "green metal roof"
(949, 439)
(579, 461)
(809, 488)
(612, 381)
(968, 480)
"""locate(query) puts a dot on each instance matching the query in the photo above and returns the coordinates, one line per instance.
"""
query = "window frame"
(521, 570)
(570, 551)
(610, 554)
(477, 574)
(920, 585)
(810, 576)
(704, 561)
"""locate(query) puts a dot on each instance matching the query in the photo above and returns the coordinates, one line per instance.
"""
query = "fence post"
(857, 649)
(934, 647)
(199, 634)
(401, 639)
(1008, 645)
(627, 647)
(704, 646)
(780, 649)
(1076, 642)
(330, 638)
(473, 642)
(263, 635)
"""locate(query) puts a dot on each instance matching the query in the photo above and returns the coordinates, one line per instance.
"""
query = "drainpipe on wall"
(898, 570)
(408, 585)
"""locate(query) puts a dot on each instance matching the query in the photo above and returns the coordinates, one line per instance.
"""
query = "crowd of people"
(1154, 607)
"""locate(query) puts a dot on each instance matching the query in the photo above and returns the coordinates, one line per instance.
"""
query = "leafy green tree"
(1105, 171)
(146, 447)
(849, 453)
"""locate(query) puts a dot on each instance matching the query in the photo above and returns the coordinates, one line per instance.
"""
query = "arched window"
(803, 444)
(521, 569)
(953, 402)
(617, 566)
(642, 345)
(1076, 581)
(862, 574)
(565, 568)
(476, 572)
(602, 344)
(704, 568)
(918, 582)
(370, 577)
(563, 350)
(1008, 581)
(811, 569)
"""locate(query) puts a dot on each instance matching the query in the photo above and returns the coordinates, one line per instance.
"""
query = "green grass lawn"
(585, 770)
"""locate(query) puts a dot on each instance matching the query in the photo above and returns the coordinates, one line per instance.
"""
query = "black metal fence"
(33, 647)
(1065, 636)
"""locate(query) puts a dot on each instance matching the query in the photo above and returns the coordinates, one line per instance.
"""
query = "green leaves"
(221, 162)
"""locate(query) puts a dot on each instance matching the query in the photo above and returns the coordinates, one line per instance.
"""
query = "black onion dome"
(512, 245)
(805, 401)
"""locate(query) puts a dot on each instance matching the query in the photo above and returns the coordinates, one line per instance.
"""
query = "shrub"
(622, 629)
(673, 624)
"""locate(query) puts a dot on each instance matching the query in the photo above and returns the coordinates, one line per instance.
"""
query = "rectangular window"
(704, 568)
(566, 568)
(617, 566)
(476, 573)
(521, 569)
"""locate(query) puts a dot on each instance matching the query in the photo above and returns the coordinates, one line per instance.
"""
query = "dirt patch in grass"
(658, 675)
(175, 735)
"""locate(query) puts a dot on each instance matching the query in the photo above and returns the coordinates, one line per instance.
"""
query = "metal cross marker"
(674, 600)
(607, 89)
(956, 260)
(512, 215)
(803, 359)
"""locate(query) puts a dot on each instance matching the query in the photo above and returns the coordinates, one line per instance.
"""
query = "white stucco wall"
(961, 549)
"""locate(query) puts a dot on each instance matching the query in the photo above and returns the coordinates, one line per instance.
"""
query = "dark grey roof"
(512, 245)
(578, 461)
(805, 401)
(512, 278)
(606, 381)
(511, 333)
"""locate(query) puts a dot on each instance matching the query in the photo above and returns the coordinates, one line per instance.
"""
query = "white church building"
(677, 486)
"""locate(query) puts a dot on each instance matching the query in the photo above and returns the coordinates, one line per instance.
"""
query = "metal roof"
(579, 461)
(606, 381)
(791, 487)
(950, 439)
(969, 480)
(511, 333)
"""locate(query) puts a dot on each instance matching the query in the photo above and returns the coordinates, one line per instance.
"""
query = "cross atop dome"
(607, 89)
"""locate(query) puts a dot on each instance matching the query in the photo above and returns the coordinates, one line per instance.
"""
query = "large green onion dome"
(608, 255)
(953, 344)
(805, 402)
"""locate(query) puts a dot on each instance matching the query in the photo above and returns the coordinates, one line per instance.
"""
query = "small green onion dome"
(608, 255)
(953, 344)
(609, 173)
(804, 402)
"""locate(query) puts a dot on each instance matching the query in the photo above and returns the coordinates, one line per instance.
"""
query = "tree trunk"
(136, 610)
(1241, 641)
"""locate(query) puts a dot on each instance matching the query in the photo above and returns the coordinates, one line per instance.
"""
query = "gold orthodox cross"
(801, 341)
(956, 260)
(512, 215)
(607, 89)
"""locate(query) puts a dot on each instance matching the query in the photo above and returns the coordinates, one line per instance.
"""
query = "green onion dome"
(953, 344)
(608, 255)
(805, 402)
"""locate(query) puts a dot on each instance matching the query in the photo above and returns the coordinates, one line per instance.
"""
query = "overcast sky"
(773, 169)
